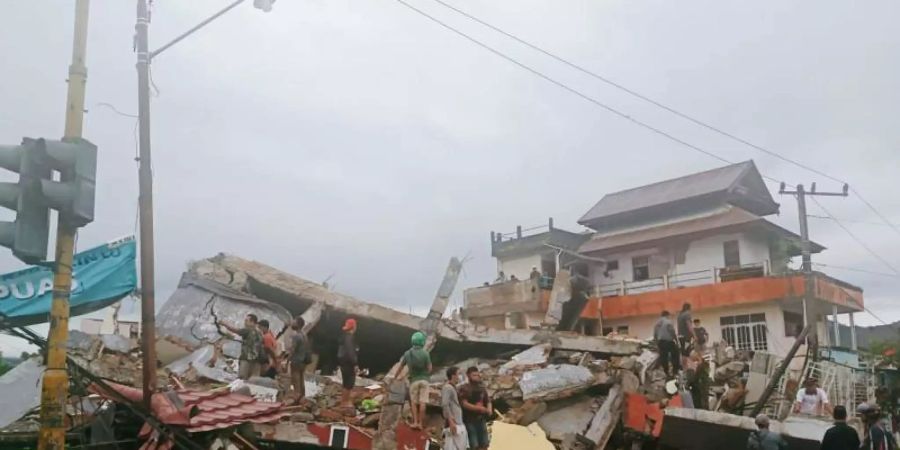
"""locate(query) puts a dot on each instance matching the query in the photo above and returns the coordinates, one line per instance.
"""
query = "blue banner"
(101, 276)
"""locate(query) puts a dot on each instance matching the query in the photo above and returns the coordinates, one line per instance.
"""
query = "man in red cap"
(347, 361)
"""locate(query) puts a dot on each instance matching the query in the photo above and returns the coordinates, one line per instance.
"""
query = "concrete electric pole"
(55, 385)
(810, 315)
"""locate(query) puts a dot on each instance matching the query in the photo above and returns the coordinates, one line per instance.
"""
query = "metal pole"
(837, 327)
(145, 180)
(852, 333)
(55, 385)
(808, 317)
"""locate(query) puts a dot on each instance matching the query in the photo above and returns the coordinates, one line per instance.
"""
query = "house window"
(793, 324)
(622, 329)
(745, 332)
(732, 254)
(612, 265)
(339, 437)
(640, 268)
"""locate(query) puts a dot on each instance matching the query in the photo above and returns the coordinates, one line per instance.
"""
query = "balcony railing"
(684, 279)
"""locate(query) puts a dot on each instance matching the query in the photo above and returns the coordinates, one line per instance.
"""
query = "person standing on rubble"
(419, 362)
(763, 439)
(251, 346)
(664, 335)
(455, 432)
(299, 357)
(477, 409)
(841, 436)
(268, 361)
(347, 361)
(685, 330)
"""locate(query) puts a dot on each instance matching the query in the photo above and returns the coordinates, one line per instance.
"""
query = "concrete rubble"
(551, 389)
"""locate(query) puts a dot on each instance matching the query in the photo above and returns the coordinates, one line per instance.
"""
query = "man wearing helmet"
(419, 362)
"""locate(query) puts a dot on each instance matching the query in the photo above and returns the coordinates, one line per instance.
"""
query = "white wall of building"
(700, 255)
(778, 343)
(520, 267)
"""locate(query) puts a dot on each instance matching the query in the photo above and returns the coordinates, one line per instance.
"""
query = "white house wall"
(520, 267)
(701, 255)
(778, 343)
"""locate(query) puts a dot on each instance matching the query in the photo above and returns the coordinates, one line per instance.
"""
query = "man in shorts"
(419, 362)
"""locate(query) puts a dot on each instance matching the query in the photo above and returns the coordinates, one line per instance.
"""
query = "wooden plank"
(606, 418)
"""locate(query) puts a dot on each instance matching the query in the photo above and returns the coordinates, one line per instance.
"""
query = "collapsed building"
(564, 347)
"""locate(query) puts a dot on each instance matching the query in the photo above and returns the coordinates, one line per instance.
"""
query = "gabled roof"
(739, 184)
(732, 219)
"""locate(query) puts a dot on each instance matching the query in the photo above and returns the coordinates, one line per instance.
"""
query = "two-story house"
(701, 239)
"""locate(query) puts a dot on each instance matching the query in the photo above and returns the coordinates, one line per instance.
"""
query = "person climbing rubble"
(348, 361)
(812, 399)
(698, 380)
(685, 331)
(454, 434)
(664, 335)
(477, 409)
(251, 346)
(419, 362)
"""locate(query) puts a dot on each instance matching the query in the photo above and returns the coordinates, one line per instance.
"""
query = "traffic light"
(76, 160)
(36, 192)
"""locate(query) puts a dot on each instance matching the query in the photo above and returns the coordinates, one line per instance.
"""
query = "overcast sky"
(358, 140)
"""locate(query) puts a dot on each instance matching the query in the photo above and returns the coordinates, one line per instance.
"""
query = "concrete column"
(852, 333)
(837, 326)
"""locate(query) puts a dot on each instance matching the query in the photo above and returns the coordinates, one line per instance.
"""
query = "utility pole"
(145, 179)
(55, 385)
(145, 182)
(809, 286)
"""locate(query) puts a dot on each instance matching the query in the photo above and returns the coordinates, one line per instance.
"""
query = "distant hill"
(866, 335)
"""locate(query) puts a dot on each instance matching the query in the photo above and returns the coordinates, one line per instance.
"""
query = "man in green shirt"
(251, 346)
(419, 362)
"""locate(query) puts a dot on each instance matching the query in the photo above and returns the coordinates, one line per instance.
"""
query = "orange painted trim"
(719, 295)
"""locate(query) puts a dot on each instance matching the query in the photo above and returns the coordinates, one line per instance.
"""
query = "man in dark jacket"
(347, 361)
(841, 436)
(664, 335)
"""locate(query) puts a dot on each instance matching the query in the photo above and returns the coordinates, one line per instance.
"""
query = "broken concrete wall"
(188, 314)
(383, 333)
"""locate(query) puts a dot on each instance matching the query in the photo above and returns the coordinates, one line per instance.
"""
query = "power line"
(855, 238)
(644, 124)
(856, 269)
(659, 104)
(813, 216)
(563, 85)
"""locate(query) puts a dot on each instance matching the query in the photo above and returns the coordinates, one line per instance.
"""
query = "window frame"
(645, 265)
(346, 431)
(735, 252)
(745, 331)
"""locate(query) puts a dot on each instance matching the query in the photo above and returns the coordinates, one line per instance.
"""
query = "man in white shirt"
(812, 399)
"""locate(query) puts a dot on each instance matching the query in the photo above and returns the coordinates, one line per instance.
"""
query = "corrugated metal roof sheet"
(694, 185)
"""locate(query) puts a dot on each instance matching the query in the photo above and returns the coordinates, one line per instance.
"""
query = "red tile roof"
(198, 411)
